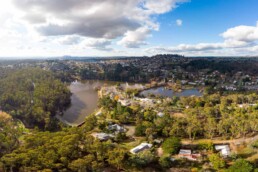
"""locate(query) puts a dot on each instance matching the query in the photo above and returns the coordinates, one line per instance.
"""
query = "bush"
(206, 145)
(241, 165)
(217, 161)
(165, 162)
(171, 145)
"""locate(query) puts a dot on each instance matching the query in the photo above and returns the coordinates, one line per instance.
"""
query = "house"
(140, 148)
(117, 128)
(223, 149)
(103, 136)
(157, 141)
(187, 153)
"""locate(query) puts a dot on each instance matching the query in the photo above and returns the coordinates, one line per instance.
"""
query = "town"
(153, 113)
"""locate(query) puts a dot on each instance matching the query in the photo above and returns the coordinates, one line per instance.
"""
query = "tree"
(241, 165)
(89, 123)
(217, 161)
(116, 157)
(78, 165)
(171, 145)
(142, 159)
(34, 96)
(165, 162)
(9, 134)
(210, 127)
(140, 130)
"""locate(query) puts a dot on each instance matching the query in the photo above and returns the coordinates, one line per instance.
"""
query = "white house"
(103, 136)
(224, 150)
(140, 148)
(184, 152)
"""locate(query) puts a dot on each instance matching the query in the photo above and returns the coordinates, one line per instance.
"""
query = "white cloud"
(161, 6)
(242, 33)
(135, 39)
(179, 22)
(108, 19)
(240, 38)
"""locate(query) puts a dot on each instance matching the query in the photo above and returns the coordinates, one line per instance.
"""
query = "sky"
(52, 28)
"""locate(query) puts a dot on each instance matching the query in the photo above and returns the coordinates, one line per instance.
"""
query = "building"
(223, 149)
(103, 136)
(140, 148)
(117, 128)
(187, 153)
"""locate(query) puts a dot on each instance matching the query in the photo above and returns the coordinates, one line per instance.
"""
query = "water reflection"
(83, 101)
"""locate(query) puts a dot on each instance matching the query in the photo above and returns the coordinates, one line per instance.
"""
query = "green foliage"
(171, 145)
(71, 149)
(90, 123)
(217, 161)
(140, 130)
(241, 165)
(10, 132)
(34, 96)
(165, 162)
(117, 157)
(207, 145)
(142, 159)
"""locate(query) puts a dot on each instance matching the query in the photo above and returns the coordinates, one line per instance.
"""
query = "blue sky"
(204, 20)
(46, 28)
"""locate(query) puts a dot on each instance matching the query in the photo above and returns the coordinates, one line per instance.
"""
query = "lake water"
(163, 92)
(83, 101)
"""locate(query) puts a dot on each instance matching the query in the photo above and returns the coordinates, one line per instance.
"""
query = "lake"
(83, 101)
(163, 92)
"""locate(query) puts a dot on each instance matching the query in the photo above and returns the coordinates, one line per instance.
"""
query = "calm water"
(162, 91)
(84, 100)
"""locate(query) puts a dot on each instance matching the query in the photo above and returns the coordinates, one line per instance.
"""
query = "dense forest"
(34, 96)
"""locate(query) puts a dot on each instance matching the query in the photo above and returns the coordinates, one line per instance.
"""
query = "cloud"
(185, 48)
(179, 22)
(68, 40)
(99, 44)
(162, 6)
(105, 19)
(240, 37)
(242, 33)
(135, 39)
